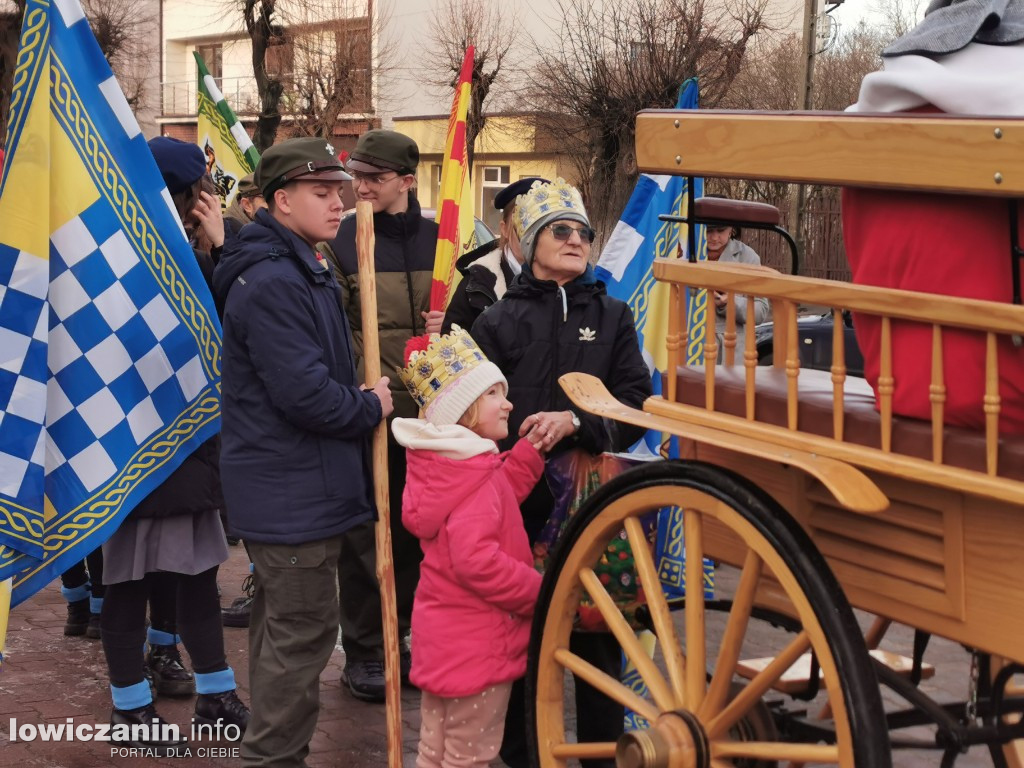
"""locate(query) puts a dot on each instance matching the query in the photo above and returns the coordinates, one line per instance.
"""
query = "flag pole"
(382, 530)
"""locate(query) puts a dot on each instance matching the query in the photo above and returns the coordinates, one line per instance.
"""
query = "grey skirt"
(187, 544)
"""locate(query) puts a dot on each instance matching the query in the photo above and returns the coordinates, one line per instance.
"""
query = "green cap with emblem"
(380, 151)
(302, 159)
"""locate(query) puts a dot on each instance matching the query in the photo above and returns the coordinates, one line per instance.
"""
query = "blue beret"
(514, 190)
(181, 164)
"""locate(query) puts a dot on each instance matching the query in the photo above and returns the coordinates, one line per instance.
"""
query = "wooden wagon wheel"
(692, 706)
(1014, 751)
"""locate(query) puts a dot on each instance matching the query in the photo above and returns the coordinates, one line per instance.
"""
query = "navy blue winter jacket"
(295, 423)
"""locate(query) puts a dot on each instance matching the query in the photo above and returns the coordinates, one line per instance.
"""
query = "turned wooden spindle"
(937, 394)
(885, 385)
(729, 338)
(750, 361)
(792, 365)
(672, 340)
(838, 372)
(991, 404)
(710, 351)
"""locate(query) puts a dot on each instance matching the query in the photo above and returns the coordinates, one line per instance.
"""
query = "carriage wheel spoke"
(732, 638)
(644, 664)
(661, 616)
(696, 640)
(757, 687)
(606, 684)
(776, 751)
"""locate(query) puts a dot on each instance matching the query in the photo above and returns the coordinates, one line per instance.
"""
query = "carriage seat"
(862, 423)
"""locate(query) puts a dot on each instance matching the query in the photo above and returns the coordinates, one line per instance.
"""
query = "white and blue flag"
(110, 348)
(627, 260)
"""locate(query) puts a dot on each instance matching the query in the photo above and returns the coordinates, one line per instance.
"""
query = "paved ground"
(47, 678)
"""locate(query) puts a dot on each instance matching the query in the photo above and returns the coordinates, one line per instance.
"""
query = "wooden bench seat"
(862, 423)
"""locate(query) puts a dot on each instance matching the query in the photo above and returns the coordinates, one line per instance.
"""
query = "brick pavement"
(48, 677)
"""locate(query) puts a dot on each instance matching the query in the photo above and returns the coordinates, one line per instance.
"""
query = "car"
(815, 332)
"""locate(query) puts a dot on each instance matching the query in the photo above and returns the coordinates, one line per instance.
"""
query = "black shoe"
(169, 673)
(365, 679)
(93, 630)
(78, 618)
(233, 541)
(239, 612)
(220, 710)
(162, 735)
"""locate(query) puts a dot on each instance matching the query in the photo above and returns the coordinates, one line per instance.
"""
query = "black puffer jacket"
(534, 337)
(486, 276)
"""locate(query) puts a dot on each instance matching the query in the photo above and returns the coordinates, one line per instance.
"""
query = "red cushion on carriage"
(862, 423)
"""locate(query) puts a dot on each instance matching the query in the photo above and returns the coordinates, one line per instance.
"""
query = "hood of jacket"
(528, 284)
(446, 465)
(266, 238)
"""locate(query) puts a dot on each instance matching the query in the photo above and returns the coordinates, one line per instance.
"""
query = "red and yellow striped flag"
(455, 212)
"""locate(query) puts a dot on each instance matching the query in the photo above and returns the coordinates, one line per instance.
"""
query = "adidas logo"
(587, 335)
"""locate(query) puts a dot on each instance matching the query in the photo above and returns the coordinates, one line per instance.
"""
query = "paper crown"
(542, 200)
(446, 373)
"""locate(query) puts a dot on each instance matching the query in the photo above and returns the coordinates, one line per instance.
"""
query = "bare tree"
(493, 31)
(261, 24)
(627, 56)
(124, 29)
(899, 16)
(333, 65)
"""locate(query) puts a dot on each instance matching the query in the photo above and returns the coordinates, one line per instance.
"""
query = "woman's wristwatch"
(575, 421)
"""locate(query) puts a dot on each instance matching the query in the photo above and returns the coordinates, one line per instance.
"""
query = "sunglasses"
(563, 232)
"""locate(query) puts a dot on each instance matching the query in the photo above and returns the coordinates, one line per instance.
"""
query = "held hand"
(207, 212)
(720, 299)
(545, 429)
(433, 320)
(383, 393)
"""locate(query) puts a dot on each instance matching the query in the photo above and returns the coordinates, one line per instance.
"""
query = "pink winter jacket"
(477, 588)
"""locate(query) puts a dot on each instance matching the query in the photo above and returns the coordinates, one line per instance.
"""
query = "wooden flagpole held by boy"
(385, 567)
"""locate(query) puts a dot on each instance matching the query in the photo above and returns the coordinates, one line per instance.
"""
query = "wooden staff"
(385, 568)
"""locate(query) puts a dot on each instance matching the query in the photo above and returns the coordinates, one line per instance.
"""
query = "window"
(495, 178)
(280, 58)
(435, 183)
(212, 56)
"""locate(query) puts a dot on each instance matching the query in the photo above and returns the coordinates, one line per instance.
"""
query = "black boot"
(221, 709)
(78, 618)
(93, 630)
(169, 673)
(240, 610)
(161, 734)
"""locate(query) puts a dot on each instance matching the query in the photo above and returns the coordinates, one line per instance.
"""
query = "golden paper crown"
(448, 375)
(543, 199)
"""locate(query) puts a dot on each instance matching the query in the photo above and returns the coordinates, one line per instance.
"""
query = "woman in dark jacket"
(557, 318)
(176, 532)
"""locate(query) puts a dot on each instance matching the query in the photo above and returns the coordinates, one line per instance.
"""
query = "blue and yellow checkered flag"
(110, 349)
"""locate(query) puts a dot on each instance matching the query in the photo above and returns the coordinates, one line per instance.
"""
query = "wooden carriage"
(811, 500)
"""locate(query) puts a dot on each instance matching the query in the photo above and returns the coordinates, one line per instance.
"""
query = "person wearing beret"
(488, 269)
(173, 540)
(246, 203)
(295, 428)
(557, 318)
(383, 166)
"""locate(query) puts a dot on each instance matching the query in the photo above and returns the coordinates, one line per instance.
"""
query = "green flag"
(230, 153)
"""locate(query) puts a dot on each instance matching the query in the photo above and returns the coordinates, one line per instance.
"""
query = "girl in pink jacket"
(477, 588)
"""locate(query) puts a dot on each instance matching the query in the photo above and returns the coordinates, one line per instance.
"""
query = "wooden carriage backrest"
(931, 153)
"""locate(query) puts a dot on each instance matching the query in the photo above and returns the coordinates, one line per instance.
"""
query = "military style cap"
(514, 190)
(305, 158)
(247, 186)
(379, 151)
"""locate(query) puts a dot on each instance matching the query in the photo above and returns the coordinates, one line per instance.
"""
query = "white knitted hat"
(446, 374)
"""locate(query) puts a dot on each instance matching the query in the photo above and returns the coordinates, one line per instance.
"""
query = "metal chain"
(971, 707)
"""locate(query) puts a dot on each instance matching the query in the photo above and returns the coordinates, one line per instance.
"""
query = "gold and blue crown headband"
(445, 359)
(542, 199)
